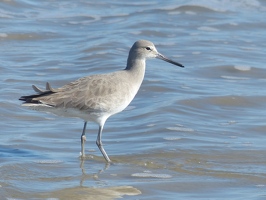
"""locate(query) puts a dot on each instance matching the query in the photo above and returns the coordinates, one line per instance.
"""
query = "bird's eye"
(148, 48)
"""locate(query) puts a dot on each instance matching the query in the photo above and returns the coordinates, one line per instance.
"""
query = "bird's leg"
(83, 139)
(100, 145)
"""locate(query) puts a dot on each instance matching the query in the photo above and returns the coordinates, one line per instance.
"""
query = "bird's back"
(95, 95)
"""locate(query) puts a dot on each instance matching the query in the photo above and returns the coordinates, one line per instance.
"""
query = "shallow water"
(191, 133)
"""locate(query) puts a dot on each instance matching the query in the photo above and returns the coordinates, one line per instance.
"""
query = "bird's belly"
(94, 116)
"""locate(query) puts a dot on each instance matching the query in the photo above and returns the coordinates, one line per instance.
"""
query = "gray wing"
(91, 93)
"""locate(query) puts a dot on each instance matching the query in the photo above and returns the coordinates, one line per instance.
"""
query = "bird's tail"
(31, 98)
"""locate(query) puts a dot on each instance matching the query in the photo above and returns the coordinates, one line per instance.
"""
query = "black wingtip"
(31, 98)
(24, 98)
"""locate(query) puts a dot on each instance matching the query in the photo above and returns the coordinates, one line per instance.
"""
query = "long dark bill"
(162, 57)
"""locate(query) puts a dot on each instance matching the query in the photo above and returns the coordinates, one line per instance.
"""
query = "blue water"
(192, 133)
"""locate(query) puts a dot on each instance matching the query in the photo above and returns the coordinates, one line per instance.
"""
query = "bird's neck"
(136, 68)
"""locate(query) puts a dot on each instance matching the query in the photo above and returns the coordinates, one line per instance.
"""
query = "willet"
(97, 97)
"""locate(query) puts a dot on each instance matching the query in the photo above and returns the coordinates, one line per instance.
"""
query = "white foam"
(196, 52)
(3, 35)
(208, 29)
(181, 129)
(242, 68)
(249, 48)
(234, 78)
(233, 24)
(40, 74)
(172, 138)
(190, 13)
(260, 185)
(48, 161)
(150, 175)
(135, 32)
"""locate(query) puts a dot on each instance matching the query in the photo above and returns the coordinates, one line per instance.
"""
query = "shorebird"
(97, 97)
